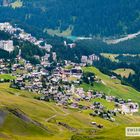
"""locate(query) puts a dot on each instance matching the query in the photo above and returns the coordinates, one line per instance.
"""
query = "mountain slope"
(28, 118)
(113, 87)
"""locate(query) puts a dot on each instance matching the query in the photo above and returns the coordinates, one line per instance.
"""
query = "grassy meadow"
(110, 56)
(124, 72)
(7, 77)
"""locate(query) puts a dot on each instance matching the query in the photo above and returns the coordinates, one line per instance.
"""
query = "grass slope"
(41, 112)
(112, 86)
(7, 77)
(49, 114)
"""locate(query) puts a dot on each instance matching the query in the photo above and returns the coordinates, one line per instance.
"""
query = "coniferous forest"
(89, 17)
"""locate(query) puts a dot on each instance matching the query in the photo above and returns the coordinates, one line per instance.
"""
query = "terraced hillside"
(22, 117)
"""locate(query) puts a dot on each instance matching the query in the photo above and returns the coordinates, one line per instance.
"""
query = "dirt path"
(66, 114)
(51, 118)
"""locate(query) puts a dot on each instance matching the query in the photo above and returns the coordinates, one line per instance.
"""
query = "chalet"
(19, 79)
(74, 105)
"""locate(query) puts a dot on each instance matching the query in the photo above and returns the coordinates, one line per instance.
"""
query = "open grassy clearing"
(7, 77)
(110, 56)
(113, 57)
(124, 72)
(17, 4)
(60, 33)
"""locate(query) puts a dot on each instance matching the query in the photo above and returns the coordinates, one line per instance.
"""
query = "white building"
(72, 45)
(24, 36)
(54, 56)
(48, 47)
(4, 26)
(94, 57)
(84, 59)
(7, 45)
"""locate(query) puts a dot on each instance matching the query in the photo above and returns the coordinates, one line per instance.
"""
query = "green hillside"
(112, 86)
(39, 120)
(6, 76)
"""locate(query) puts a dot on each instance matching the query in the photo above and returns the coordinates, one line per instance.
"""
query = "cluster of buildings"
(89, 59)
(52, 86)
(7, 27)
(4, 67)
(19, 33)
(38, 42)
(61, 85)
(121, 106)
(58, 82)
